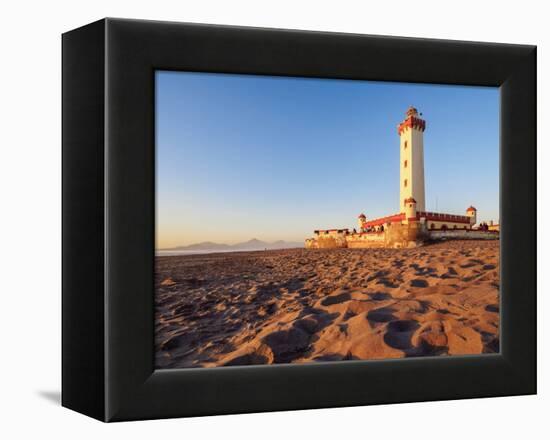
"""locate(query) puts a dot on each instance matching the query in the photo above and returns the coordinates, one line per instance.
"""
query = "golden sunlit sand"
(297, 305)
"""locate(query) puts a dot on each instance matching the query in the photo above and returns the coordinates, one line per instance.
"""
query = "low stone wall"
(327, 242)
(463, 235)
(366, 240)
(395, 235)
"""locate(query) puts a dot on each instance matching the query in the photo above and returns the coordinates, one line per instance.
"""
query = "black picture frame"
(109, 213)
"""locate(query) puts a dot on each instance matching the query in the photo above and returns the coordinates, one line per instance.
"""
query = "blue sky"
(245, 156)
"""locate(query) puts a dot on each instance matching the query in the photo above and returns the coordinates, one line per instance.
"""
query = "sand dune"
(321, 305)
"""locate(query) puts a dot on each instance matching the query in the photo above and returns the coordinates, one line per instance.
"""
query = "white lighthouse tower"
(411, 185)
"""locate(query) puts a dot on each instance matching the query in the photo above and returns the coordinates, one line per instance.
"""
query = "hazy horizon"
(230, 243)
(274, 158)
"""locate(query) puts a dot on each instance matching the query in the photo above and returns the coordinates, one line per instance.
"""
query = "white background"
(30, 185)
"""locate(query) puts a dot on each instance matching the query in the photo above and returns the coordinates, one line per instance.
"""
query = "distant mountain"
(280, 244)
(203, 246)
(250, 245)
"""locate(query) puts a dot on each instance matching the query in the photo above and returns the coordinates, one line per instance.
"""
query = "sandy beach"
(297, 305)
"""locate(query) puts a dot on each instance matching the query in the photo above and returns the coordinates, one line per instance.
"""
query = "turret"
(360, 220)
(410, 209)
(472, 213)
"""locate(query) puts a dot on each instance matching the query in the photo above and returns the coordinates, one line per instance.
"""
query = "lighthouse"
(412, 224)
(411, 145)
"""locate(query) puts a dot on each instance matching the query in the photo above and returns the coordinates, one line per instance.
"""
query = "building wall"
(394, 235)
(449, 224)
(464, 235)
(325, 240)
(413, 173)
(397, 235)
(372, 240)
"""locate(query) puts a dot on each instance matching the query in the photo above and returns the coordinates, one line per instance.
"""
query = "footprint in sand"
(336, 299)
(399, 333)
(419, 282)
(384, 314)
(287, 345)
(388, 283)
(379, 296)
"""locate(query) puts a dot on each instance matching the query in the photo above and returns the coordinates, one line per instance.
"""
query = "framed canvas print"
(261, 219)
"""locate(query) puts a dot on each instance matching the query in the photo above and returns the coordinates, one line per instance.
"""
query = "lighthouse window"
(405, 183)
(405, 145)
(405, 164)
